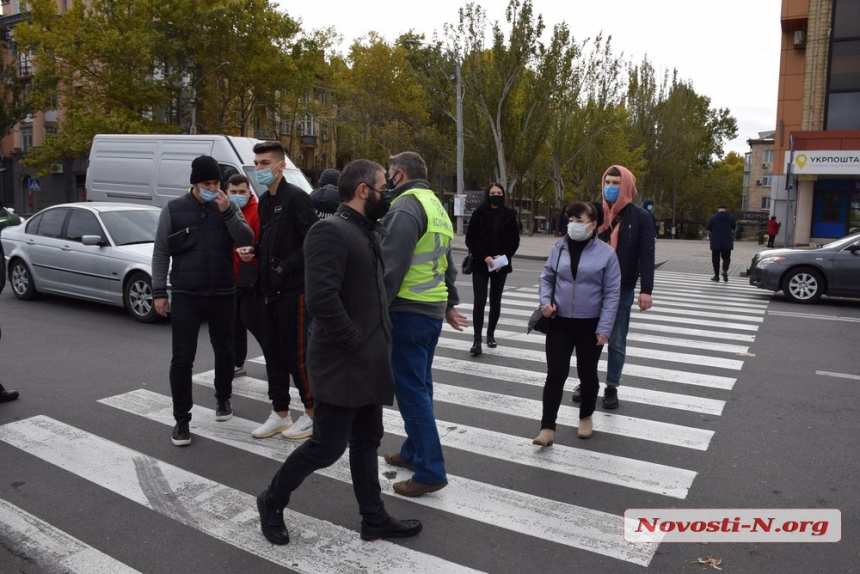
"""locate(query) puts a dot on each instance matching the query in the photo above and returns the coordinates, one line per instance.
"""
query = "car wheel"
(138, 298)
(803, 286)
(22, 281)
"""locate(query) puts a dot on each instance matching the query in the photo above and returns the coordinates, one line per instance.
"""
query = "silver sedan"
(95, 251)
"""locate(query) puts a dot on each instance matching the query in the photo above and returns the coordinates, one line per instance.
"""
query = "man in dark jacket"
(286, 214)
(630, 231)
(721, 232)
(197, 231)
(648, 205)
(326, 197)
(5, 396)
(348, 357)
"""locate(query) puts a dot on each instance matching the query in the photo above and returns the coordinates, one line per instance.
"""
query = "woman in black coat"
(492, 233)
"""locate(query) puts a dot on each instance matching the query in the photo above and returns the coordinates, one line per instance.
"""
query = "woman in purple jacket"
(587, 282)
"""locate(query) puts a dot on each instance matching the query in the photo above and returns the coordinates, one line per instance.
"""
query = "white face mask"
(578, 231)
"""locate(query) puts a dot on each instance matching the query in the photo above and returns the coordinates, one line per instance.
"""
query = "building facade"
(758, 173)
(816, 188)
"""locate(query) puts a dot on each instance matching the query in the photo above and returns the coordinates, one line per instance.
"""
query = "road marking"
(814, 316)
(726, 317)
(50, 548)
(221, 512)
(590, 465)
(838, 375)
(514, 298)
(551, 520)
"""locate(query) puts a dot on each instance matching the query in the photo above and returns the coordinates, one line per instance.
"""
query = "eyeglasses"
(383, 190)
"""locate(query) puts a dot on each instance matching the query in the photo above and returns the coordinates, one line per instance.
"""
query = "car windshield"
(130, 227)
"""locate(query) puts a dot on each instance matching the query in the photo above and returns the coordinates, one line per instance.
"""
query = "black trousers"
(479, 289)
(564, 336)
(249, 317)
(285, 344)
(770, 240)
(715, 260)
(187, 313)
(335, 428)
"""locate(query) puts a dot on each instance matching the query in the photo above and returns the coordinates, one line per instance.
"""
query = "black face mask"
(389, 183)
(376, 209)
(496, 200)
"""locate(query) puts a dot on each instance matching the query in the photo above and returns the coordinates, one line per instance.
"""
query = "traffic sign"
(34, 185)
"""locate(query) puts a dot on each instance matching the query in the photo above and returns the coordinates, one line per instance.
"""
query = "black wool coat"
(482, 242)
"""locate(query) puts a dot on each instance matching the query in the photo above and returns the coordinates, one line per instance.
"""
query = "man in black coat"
(5, 396)
(721, 232)
(349, 357)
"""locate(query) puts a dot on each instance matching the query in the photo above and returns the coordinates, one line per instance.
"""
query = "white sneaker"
(303, 428)
(273, 425)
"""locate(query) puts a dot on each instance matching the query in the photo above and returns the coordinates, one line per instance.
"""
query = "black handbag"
(467, 264)
(537, 322)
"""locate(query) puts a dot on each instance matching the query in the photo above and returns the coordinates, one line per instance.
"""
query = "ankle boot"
(545, 438)
(476, 347)
(585, 429)
(491, 341)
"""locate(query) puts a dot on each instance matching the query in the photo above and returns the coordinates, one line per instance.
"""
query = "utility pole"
(193, 129)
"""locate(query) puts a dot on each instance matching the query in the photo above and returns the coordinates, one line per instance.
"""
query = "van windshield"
(293, 176)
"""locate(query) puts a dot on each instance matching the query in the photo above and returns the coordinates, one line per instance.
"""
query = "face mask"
(265, 177)
(206, 195)
(610, 192)
(496, 200)
(240, 200)
(650, 208)
(389, 183)
(578, 231)
(377, 209)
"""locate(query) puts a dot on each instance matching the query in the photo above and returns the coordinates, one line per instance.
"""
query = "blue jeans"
(415, 337)
(618, 340)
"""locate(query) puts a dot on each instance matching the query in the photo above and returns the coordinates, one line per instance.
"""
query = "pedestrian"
(772, 230)
(492, 235)
(648, 205)
(583, 274)
(419, 280)
(562, 224)
(326, 198)
(629, 230)
(5, 396)
(348, 357)
(195, 237)
(248, 307)
(721, 232)
(286, 216)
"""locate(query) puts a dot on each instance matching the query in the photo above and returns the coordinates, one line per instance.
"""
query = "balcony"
(308, 141)
(265, 134)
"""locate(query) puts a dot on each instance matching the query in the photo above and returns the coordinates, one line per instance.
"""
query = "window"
(308, 126)
(285, 127)
(25, 64)
(845, 66)
(767, 179)
(747, 158)
(747, 179)
(51, 224)
(843, 111)
(82, 222)
(768, 156)
(50, 130)
(765, 203)
(26, 138)
(745, 202)
(325, 134)
(846, 19)
(843, 81)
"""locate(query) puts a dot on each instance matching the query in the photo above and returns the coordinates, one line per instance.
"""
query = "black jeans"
(249, 317)
(187, 313)
(285, 344)
(564, 336)
(770, 240)
(334, 428)
(715, 260)
(479, 289)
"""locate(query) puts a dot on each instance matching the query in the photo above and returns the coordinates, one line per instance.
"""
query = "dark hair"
(773, 217)
(238, 179)
(613, 171)
(354, 174)
(271, 146)
(580, 208)
(411, 163)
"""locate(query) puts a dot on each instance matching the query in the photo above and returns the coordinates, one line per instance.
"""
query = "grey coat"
(349, 352)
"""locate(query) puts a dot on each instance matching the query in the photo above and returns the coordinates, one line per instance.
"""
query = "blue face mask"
(240, 200)
(265, 177)
(610, 192)
(206, 195)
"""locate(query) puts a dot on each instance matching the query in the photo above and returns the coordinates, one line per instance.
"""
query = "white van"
(153, 169)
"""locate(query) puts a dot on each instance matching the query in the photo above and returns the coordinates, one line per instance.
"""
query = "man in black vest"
(197, 231)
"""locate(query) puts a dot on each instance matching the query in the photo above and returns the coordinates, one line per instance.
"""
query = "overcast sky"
(729, 49)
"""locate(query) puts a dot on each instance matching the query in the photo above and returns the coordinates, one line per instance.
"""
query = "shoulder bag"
(537, 322)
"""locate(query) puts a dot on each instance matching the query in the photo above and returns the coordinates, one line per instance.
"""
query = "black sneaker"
(181, 435)
(726, 277)
(577, 394)
(715, 278)
(610, 398)
(224, 411)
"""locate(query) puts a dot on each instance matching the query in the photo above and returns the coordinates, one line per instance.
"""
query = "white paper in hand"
(499, 262)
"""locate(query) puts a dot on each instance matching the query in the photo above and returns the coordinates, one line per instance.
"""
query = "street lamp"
(193, 129)
(459, 88)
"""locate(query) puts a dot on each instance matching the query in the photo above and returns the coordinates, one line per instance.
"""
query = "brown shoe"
(412, 488)
(585, 428)
(394, 459)
(545, 438)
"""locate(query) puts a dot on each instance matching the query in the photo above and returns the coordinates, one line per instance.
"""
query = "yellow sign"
(800, 160)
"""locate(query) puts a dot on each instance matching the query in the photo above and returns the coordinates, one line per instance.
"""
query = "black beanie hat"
(329, 176)
(205, 168)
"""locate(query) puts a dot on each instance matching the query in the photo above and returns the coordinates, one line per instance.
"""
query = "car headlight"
(764, 262)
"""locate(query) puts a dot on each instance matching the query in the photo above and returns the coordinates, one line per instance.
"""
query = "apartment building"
(758, 173)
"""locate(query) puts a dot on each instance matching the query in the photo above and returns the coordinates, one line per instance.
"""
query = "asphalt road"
(786, 437)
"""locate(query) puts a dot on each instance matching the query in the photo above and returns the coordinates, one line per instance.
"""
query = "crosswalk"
(684, 358)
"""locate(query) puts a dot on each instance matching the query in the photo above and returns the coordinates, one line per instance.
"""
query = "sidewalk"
(680, 255)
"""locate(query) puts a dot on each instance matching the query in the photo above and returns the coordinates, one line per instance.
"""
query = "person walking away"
(5, 396)
(629, 230)
(721, 232)
(326, 197)
(492, 234)
(772, 230)
(419, 280)
(248, 309)
(286, 216)
(586, 277)
(195, 238)
(648, 205)
(348, 358)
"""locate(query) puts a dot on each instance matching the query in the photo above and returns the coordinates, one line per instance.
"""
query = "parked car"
(804, 275)
(8, 218)
(95, 251)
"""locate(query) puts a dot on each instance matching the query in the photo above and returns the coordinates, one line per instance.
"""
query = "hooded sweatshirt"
(246, 273)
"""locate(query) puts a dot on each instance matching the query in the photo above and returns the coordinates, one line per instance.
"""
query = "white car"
(95, 251)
